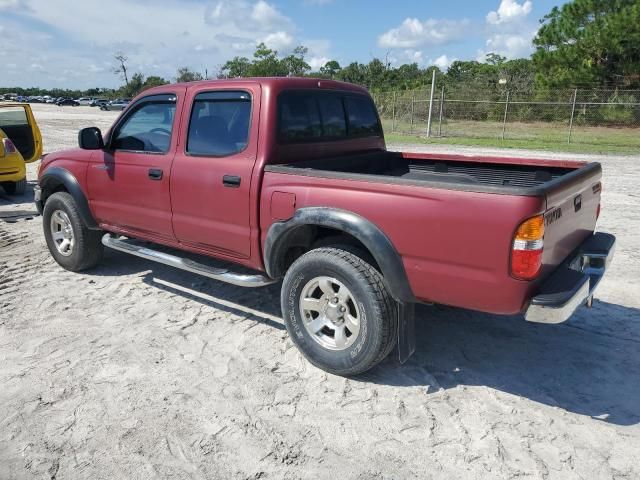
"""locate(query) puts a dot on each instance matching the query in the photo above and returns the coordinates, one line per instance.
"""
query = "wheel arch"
(58, 179)
(301, 230)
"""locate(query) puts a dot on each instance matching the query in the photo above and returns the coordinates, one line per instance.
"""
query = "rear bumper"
(573, 283)
(12, 168)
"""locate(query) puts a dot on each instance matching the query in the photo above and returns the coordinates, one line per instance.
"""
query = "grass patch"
(531, 136)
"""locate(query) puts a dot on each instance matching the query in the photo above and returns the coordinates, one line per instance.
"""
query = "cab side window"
(148, 127)
(219, 123)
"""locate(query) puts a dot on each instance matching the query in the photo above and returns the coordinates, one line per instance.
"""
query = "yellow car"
(20, 143)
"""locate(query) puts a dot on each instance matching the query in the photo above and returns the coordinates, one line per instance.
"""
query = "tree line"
(593, 43)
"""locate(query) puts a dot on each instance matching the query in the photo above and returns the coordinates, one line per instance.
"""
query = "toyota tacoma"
(289, 179)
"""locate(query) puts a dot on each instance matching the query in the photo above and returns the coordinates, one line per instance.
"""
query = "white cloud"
(443, 62)
(14, 6)
(79, 54)
(509, 31)
(316, 62)
(267, 15)
(278, 40)
(508, 45)
(414, 56)
(415, 33)
(509, 11)
(258, 17)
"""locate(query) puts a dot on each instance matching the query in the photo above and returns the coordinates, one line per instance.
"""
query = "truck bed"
(479, 174)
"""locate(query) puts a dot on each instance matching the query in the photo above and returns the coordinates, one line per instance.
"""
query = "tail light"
(526, 252)
(597, 188)
(9, 147)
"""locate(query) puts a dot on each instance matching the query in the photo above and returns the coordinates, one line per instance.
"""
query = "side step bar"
(221, 274)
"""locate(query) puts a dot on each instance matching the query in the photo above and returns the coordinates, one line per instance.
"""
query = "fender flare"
(54, 176)
(370, 235)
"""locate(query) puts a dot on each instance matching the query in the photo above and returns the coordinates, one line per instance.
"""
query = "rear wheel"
(338, 311)
(15, 188)
(71, 243)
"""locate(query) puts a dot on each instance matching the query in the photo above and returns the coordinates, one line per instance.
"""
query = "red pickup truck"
(289, 178)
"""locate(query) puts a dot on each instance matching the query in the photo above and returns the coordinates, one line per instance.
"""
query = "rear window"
(10, 116)
(363, 118)
(311, 116)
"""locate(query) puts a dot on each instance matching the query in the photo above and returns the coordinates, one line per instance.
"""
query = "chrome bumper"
(574, 282)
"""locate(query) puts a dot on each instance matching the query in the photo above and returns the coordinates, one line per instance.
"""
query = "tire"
(15, 188)
(85, 250)
(319, 276)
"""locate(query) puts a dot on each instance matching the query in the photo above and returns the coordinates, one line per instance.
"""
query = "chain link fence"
(586, 116)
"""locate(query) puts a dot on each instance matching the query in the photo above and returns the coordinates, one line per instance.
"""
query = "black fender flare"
(370, 235)
(53, 177)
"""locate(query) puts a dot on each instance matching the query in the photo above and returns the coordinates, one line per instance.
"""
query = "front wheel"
(338, 311)
(74, 246)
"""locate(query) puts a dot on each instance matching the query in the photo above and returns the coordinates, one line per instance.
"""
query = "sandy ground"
(137, 371)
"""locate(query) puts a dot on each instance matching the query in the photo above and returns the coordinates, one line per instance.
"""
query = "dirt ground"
(138, 371)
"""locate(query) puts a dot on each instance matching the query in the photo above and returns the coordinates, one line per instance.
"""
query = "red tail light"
(526, 252)
(9, 147)
(597, 188)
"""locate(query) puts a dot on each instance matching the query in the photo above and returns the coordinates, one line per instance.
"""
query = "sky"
(71, 43)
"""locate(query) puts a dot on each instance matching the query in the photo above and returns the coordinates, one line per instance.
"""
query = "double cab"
(290, 180)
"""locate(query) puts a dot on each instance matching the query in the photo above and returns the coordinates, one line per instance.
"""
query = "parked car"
(119, 104)
(20, 143)
(67, 101)
(86, 101)
(291, 178)
(98, 102)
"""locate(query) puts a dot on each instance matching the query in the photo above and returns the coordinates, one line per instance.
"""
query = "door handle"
(232, 181)
(155, 173)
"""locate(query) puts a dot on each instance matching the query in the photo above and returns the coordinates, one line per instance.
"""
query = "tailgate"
(572, 211)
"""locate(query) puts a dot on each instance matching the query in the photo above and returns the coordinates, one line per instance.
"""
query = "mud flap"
(406, 331)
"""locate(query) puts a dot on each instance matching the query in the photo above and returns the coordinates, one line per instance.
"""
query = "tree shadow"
(589, 365)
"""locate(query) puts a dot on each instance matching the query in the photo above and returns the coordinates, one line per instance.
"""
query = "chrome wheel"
(62, 233)
(330, 313)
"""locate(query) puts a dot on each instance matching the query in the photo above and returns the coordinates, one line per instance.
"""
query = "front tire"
(338, 311)
(74, 246)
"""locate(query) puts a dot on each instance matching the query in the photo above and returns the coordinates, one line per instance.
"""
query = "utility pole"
(433, 89)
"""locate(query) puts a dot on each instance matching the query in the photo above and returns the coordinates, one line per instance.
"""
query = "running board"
(221, 274)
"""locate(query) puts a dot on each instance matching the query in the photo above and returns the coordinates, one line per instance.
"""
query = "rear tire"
(74, 246)
(338, 311)
(15, 188)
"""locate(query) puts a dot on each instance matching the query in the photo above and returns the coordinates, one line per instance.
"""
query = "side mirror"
(90, 139)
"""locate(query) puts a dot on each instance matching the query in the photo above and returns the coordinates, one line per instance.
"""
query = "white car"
(85, 100)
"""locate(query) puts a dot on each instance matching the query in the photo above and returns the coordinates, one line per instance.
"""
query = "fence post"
(441, 110)
(506, 111)
(393, 113)
(573, 111)
(433, 89)
(413, 99)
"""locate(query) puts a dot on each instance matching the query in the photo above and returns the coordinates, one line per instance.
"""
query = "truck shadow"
(13, 215)
(589, 365)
